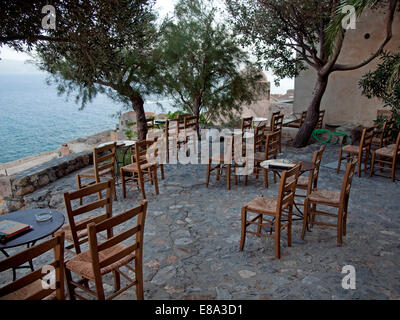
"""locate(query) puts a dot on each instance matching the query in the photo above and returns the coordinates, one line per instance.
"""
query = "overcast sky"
(163, 7)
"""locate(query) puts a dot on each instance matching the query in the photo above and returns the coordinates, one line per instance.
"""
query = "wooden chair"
(386, 156)
(336, 199)
(320, 119)
(383, 136)
(103, 167)
(361, 152)
(277, 126)
(223, 162)
(79, 217)
(30, 286)
(247, 123)
(269, 211)
(270, 152)
(297, 123)
(140, 170)
(304, 182)
(110, 256)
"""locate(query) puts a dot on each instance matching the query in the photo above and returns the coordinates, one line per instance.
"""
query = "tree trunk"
(305, 132)
(137, 105)
(196, 110)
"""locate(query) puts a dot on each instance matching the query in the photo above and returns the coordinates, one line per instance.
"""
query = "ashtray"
(42, 217)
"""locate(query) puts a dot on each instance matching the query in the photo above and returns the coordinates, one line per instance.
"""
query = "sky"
(13, 60)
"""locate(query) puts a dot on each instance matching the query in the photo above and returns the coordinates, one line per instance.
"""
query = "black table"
(39, 230)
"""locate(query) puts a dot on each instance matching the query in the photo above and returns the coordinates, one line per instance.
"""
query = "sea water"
(35, 119)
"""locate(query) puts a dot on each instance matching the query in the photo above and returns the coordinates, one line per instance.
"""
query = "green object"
(317, 133)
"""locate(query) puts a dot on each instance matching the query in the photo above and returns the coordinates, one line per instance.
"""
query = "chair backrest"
(104, 160)
(273, 115)
(366, 138)
(287, 188)
(277, 123)
(303, 117)
(140, 156)
(183, 116)
(387, 133)
(133, 249)
(259, 137)
(272, 145)
(320, 119)
(73, 212)
(190, 125)
(247, 123)
(41, 283)
(347, 180)
(317, 158)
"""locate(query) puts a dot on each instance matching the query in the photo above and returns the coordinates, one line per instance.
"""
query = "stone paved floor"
(192, 237)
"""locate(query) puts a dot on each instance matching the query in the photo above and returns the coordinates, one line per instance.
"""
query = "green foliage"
(130, 124)
(201, 61)
(384, 84)
(285, 35)
(129, 134)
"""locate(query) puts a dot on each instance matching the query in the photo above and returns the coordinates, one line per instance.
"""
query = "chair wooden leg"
(289, 228)
(314, 208)
(266, 178)
(141, 186)
(155, 180)
(275, 179)
(100, 289)
(394, 169)
(139, 279)
(371, 171)
(162, 171)
(259, 225)
(359, 165)
(228, 176)
(114, 189)
(339, 228)
(243, 234)
(123, 183)
(366, 161)
(305, 217)
(218, 171)
(339, 161)
(149, 172)
(208, 173)
(117, 280)
(70, 287)
(277, 239)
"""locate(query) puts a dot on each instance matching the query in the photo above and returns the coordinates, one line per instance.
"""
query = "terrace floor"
(191, 241)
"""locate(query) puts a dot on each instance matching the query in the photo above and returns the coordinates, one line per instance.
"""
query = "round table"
(39, 230)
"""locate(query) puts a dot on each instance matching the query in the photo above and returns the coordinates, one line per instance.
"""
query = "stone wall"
(14, 189)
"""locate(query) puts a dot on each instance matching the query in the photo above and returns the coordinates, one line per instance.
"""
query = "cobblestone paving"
(191, 248)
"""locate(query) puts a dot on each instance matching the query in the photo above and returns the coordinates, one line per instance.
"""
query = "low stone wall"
(15, 188)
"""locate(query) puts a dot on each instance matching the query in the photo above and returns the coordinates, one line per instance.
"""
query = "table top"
(120, 143)
(306, 166)
(39, 229)
(260, 119)
(160, 121)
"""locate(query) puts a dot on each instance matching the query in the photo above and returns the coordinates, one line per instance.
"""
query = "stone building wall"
(343, 100)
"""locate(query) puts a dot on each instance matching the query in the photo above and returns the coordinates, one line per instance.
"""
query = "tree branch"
(389, 23)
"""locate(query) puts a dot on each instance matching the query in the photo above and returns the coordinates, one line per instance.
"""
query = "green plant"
(384, 84)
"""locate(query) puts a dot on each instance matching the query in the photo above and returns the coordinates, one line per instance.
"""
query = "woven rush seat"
(326, 196)
(351, 149)
(82, 263)
(81, 233)
(264, 205)
(133, 166)
(385, 152)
